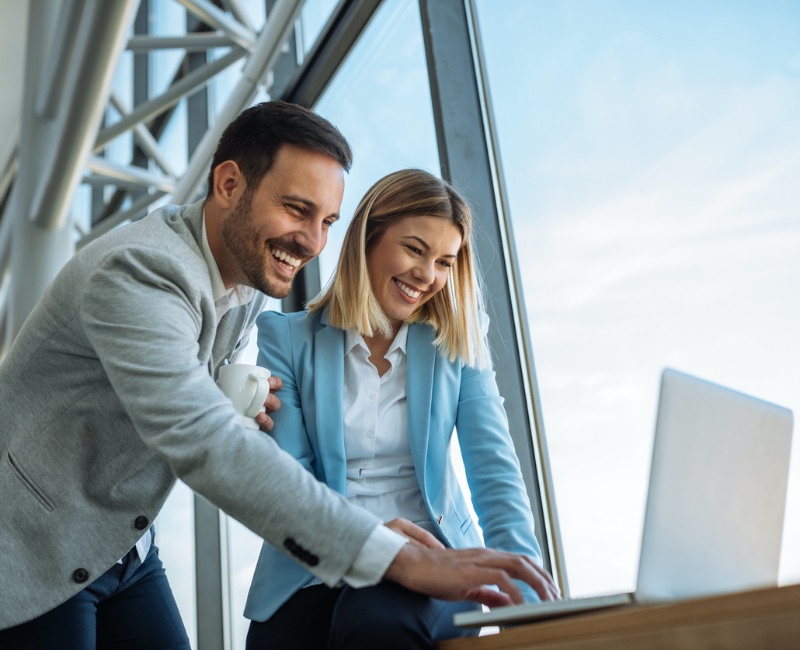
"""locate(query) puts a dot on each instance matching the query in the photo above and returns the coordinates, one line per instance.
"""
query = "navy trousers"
(386, 616)
(129, 607)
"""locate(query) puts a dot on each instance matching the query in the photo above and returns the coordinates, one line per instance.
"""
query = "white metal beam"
(101, 38)
(266, 52)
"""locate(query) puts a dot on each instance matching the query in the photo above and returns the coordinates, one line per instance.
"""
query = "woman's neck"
(378, 346)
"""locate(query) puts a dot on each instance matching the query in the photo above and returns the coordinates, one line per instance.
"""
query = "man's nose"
(313, 238)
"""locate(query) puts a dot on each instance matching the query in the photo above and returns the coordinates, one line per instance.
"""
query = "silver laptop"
(715, 505)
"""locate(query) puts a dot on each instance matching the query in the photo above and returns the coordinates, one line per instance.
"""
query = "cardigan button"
(80, 576)
(141, 522)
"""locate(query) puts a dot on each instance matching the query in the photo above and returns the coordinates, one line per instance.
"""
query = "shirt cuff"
(375, 556)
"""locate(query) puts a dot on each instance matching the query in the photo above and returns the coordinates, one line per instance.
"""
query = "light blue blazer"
(442, 395)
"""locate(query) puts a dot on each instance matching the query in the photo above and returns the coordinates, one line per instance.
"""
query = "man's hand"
(466, 574)
(271, 404)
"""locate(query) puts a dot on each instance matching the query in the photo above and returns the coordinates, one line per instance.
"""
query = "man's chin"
(275, 289)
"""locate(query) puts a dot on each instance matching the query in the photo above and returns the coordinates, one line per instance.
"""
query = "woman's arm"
(492, 468)
(275, 352)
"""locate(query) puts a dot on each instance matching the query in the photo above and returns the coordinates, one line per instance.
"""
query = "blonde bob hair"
(454, 312)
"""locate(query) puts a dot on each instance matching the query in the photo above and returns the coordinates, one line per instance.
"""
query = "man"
(107, 396)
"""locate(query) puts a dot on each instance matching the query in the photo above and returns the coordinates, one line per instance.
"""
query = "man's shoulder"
(172, 232)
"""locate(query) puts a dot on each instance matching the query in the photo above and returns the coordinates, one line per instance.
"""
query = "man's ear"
(229, 184)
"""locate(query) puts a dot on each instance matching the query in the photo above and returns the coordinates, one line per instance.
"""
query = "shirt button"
(366, 463)
(372, 395)
(370, 434)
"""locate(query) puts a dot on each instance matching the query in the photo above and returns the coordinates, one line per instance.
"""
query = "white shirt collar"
(353, 339)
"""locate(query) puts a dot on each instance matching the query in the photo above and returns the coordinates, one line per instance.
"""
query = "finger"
(272, 403)
(275, 383)
(505, 584)
(265, 422)
(509, 566)
(413, 533)
(549, 590)
(489, 597)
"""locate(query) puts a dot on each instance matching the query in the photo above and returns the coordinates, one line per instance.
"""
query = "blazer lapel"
(421, 359)
(328, 383)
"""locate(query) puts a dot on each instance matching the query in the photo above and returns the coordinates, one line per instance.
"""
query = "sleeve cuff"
(375, 556)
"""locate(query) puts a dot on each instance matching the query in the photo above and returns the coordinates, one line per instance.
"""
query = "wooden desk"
(768, 619)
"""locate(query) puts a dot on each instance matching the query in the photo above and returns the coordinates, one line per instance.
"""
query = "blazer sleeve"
(276, 351)
(143, 315)
(492, 468)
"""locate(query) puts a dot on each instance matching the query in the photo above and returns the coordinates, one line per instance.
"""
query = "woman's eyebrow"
(425, 245)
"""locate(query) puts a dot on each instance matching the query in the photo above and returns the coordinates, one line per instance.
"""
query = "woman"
(388, 360)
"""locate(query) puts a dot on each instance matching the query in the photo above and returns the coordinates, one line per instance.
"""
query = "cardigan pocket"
(28, 482)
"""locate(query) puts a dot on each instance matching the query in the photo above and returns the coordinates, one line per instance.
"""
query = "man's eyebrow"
(308, 203)
(425, 244)
(295, 198)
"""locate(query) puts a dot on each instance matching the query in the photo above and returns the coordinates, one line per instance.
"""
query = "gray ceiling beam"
(101, 37)
(106, 172)
(214, 17)
(189, 42)
(51, 83)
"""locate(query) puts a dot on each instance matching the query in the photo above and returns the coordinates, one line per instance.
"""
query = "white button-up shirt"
(380, 470)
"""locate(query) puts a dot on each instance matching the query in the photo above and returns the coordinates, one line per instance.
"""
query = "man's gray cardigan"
(108, 395)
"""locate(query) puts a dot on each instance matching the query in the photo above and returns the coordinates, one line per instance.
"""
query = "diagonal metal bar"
(172, 96)
(114, 220)
(106, 171)
(143, 137)
(268, 48)
(238, 12)
(189, 42)
(214, 17)
(338, 37)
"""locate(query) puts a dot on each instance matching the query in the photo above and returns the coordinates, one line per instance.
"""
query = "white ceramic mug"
(247, 387)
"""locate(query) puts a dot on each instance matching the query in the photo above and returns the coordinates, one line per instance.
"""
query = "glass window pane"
(380, 100)
(175, 541)
(651, 159)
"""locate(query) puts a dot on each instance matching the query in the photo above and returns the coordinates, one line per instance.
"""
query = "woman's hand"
(271, 404)
(414, 534)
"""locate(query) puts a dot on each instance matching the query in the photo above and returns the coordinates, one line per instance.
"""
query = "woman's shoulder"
(291, 319)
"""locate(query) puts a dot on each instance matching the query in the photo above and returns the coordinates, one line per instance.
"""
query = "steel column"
(469, 160)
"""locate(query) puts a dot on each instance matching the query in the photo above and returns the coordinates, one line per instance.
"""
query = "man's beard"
(241, 239)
